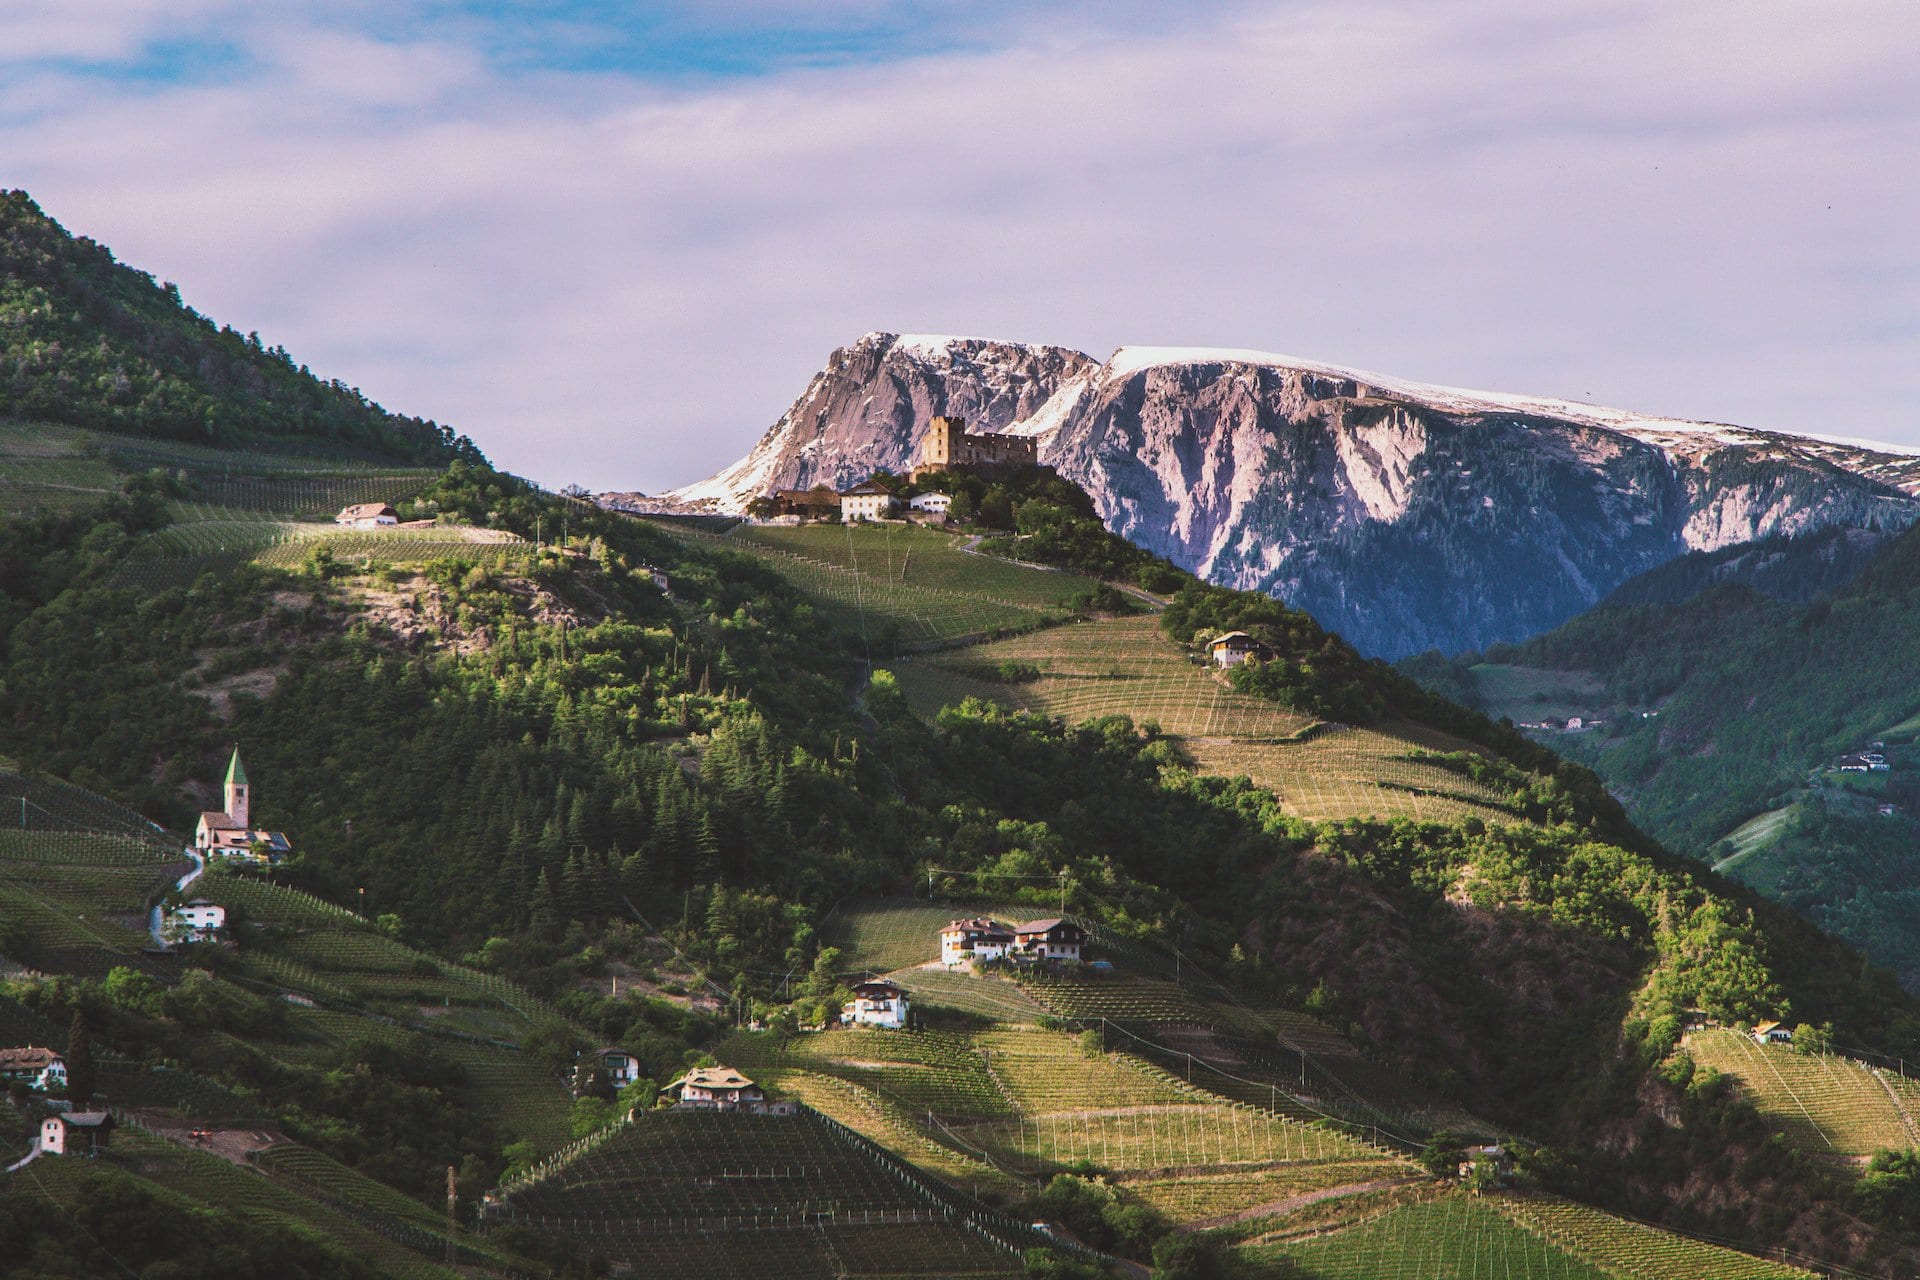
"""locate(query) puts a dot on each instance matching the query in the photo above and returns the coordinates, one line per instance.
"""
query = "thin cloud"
(618, 280)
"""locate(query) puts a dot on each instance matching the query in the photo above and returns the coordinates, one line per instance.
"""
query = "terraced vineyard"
(1825, 1104)
(927, 1071)
(1447, 1238)
(900, 585)
(310, 496)
(986, 997)
(1125, 666)
(196, 1178)
(401, 546)
(698, 1194)
(1108, 666)
(29, 802)
(1630, 1251)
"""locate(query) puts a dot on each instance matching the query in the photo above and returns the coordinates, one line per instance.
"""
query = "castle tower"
(945, 444)
(237, 790)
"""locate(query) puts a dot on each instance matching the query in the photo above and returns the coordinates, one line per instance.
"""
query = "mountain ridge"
(1346, 492)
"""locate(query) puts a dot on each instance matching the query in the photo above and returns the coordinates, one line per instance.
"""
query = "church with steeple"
(227, 832)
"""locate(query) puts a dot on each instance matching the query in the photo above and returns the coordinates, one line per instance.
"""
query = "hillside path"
(1277, 1207)
(155, 919)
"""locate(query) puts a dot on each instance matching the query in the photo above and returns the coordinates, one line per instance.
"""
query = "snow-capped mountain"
(1404, 516)
(869, 407)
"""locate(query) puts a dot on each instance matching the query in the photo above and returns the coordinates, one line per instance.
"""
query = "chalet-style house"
(1051, 939)
(44, 1069)
(1234, 648)
(620, 1067)
(719, 1088)
(866, 501)
(1863, 762)
(949, 446)
(931, 504)
(1773, 1033)
(75, 1133)
(367, 515)
(876, 1004)
(977, 938)
(227, 833)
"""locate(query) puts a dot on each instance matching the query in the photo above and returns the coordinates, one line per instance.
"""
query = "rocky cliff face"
(870, 406)
(1404, 516)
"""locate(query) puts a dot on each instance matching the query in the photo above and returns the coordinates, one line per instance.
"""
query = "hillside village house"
(43, 1069)
(932, 504)
(1234, 648)
(876, 1004)
(75, 1133)
(1863, 762)
(721, 1088)
(226, 832)
(866, 501)
(367, 515)
(197, 921)
(1773, 1033)
(621, 1068)
(977, 938)
(1051, 939)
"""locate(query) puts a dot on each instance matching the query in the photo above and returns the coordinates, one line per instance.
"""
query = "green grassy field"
(1527, 694)
(883, 934)
(1753, 835)
(1826, 1105)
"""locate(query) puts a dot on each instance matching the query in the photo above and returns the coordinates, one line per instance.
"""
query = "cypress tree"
(80, 1072)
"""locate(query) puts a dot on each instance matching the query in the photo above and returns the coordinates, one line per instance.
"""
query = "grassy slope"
(1125, 666)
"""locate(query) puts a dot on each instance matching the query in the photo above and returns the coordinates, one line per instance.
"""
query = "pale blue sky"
(611, 241)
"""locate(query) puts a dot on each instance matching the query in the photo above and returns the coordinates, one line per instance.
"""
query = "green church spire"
(236, 772)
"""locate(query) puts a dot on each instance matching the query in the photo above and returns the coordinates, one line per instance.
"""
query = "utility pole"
(453, 1200)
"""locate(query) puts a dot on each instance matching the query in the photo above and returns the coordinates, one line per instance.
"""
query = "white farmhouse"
(197, 921)
(367, 515)
(933, 504)
(977, 938)
(621, 1067)
(866, 501)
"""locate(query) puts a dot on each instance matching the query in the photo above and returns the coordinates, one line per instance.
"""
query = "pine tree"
(80, 1071)
(542, 912)
(573, 889)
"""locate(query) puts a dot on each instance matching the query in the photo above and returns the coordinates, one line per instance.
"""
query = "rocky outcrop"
(869, 407)
(1404, 516)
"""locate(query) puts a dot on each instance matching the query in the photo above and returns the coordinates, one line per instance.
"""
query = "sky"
(612, 242)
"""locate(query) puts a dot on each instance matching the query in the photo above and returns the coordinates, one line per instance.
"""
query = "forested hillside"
(607, 746)
(1725, 718)
(88, 342)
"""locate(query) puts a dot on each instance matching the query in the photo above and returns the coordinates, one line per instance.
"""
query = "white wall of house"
(955, 950)
(876, 1013)
(866, 506)
(53, 1137)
